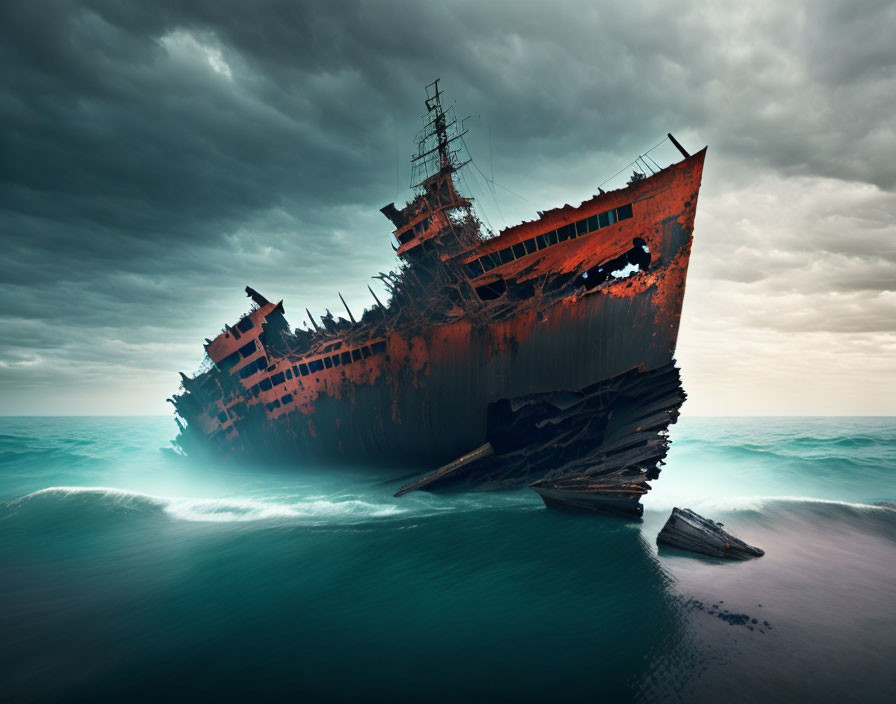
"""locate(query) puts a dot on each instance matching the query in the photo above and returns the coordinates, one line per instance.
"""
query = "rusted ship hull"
(429, 401)
(549, 348)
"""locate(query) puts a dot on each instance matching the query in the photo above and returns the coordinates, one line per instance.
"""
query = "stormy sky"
(156, 157)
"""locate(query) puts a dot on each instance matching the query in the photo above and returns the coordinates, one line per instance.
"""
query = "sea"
(131, 573)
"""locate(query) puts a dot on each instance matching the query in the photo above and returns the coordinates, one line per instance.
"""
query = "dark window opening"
(253, 368)
(356, 355)
(286, 398)
(303, 369)
(247, 349)
(265, 385)
(328, 363)
(519, 250)
(316, 366)
(530, 245)
(227, 363)
(289, 373)
(346, 357)
(278, 378)
(365, 352)
(521, 292)
(273, 405)
(245, 324)
(506, 255)
(490, 292)
(604, 219)
(335, 359)
(379, 347)
(474, 268)
(565, 232)
(624, 212)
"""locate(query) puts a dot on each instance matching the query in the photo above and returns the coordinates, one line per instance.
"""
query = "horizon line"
(684, 417)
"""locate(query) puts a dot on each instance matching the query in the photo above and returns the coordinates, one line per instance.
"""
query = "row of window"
(412, 232)
(245, 325)
(243, 352)
(276, 403)
(342, 358)
(487, 262)
(317, 365)
(252, 367)
(238, 410)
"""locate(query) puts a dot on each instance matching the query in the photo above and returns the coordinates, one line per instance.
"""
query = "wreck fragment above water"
(542, 356)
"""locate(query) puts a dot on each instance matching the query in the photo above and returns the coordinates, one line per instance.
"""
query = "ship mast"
(439, 216)
(433, 142)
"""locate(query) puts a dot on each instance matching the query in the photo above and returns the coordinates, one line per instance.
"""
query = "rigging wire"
(641, 160)
(492, 181)
(624, 168)
(664, 139)
(482, 209)
(632, 163)
(516, 194)
(490, 187)
(489, 184)
(396, 162)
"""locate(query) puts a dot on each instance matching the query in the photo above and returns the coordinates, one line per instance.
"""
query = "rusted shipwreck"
(542, 356)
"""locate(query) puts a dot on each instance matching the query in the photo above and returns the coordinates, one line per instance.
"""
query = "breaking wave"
(758, 503)
(309, 510)
(792, 514)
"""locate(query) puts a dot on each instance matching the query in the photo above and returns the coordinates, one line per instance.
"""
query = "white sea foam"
(318, 510)
(744, 503)
(110, 495)
(225, 510)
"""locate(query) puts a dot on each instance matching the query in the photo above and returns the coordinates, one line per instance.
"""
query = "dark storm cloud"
(157, 156)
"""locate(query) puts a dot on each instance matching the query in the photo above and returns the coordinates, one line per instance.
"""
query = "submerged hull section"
(592, 449)
(546, 352)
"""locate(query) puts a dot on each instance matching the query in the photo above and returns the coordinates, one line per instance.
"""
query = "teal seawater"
(128, 573)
